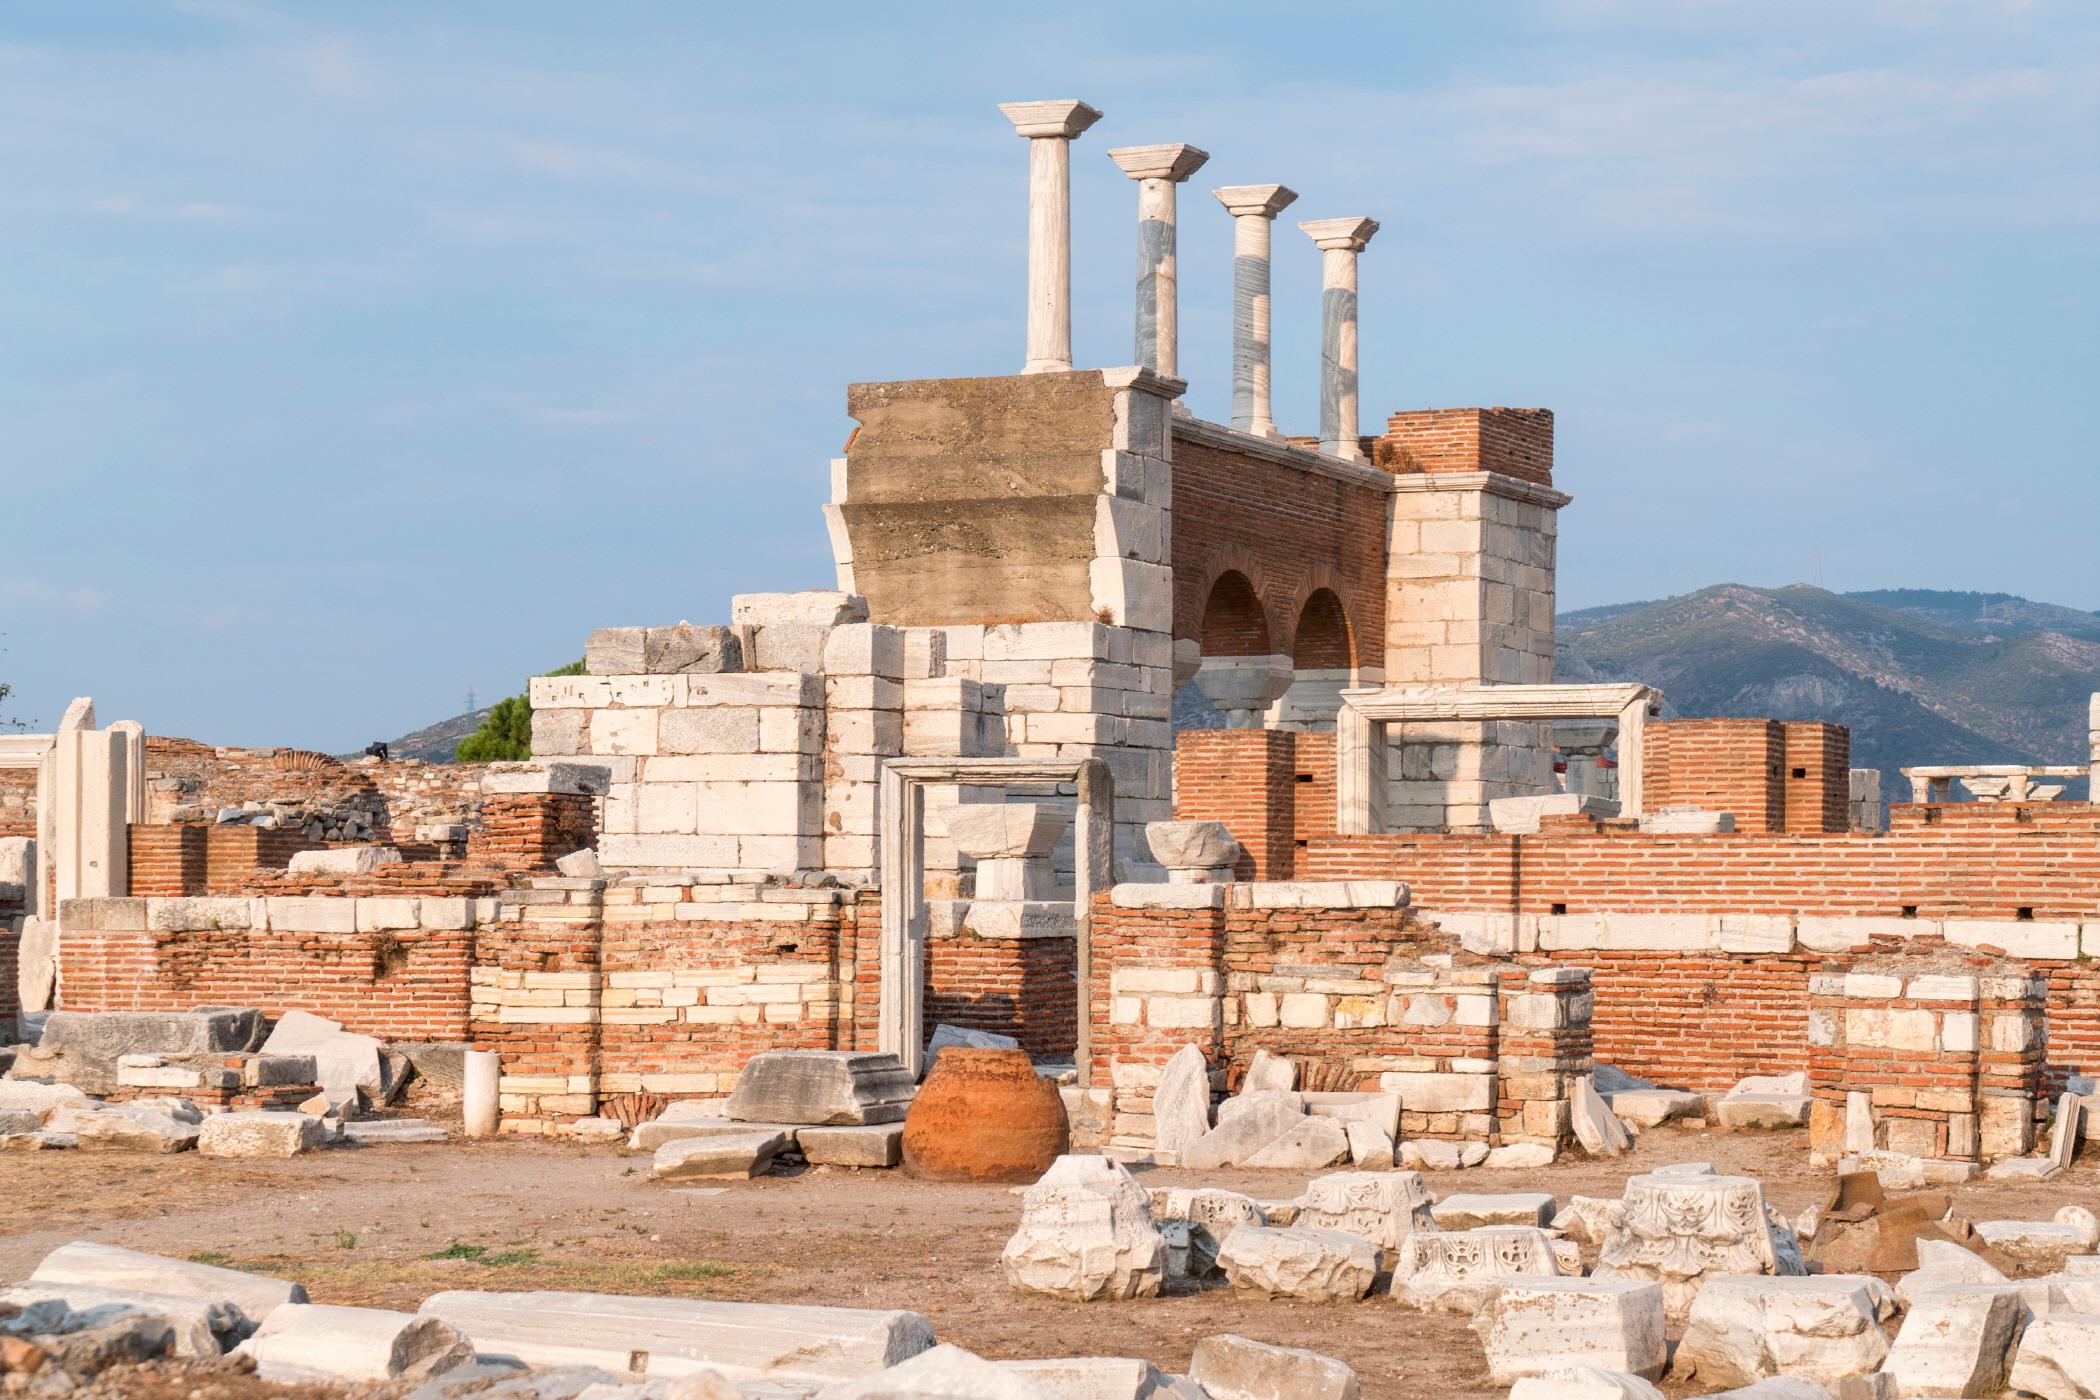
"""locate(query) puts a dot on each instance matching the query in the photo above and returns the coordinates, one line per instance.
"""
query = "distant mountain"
(1918, 676)
(435, 743)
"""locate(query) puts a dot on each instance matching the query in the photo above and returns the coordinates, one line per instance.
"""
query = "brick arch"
(1234, 621)
(1321, 638)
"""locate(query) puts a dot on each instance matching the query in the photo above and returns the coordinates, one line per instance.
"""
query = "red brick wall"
(1247, 779)
(1817, 772)
(197, 860)
(1724, 765)
(1972, 860)
(530, 831)
(1289, 531)
(1027, 988)
(400, 794)
(408, 984)
(1516, 442)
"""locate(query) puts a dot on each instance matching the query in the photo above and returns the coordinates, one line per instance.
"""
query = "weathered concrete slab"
(823, 1087)
(683, 1337)
(315, 1341)
(110, 1266)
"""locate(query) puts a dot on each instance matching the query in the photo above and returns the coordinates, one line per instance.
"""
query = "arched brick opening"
(1234, 623)
(1324, 641)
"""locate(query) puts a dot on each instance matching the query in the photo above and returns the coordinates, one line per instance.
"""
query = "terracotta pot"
(985, 1115)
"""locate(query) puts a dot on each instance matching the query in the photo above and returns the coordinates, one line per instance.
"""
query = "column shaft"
(1049, 255)
(1250, 325)
(1157, 309)
(1338, 434)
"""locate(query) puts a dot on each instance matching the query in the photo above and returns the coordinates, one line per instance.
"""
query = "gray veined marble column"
(1158, 169)
(1339, 241)
(1050, 128)
(1253, 209)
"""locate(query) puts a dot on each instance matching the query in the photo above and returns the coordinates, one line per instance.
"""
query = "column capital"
(1344, 235)
(1266, 200)
(1176, 161)
(1063, 118)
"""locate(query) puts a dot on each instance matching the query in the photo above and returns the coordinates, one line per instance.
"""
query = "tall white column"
(1253, 209)
(1158, 169)
(1339, 241)
(1050, 128)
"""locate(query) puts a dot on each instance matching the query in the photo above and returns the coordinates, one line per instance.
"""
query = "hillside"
(435, 743)
(1919, 676)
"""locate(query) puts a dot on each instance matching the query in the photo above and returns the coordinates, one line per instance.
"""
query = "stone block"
(1455, 1270)
(674, 1337)
(259, 1135)
(1234, 1368)
(616, 651)
(821, 1087)
(1181, 1103)
(1307, 1145)
(870, 1145)
(1651, 1108)
(814, 607)
(1086, 1234)
(1738, 1110)
(689, 648)
(742, 1155)
(1584, 1383)
(1300, 1261)
(1956, 1342)
(1239, 1134)
(1530, 1326)
(1825, 1328)
(346, 1063)
(199, 1327)
(2058, 1357)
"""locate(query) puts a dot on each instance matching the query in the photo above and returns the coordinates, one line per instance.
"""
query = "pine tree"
(506, 735)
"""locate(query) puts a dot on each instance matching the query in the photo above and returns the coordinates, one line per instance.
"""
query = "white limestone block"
(1307, 1145)
(1651, 1108)
(1454, 1270)
(1103, 1378)
(1956, 1342)
(822, 607)
(1941, 1263)
(1520, 1156)
(1086, 1233)
(201, 1326)
(683, 1336)
(1299, 1261)
(1741, 1110)
(1597, 1127)
(942, 1372)
(2041, 1245)
(744, 1155)
(1239, 1134)
(343, 860)
(1529, 1326)
(1371, 1147)
(314, 1341)
(1742, 1329)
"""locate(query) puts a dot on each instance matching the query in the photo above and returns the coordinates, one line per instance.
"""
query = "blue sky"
(354, 356)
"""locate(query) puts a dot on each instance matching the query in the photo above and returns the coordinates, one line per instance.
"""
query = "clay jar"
(984, 1115)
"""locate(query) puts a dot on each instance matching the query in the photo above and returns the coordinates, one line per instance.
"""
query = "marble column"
(1157, 169)
(1339, 241)
(1050, 128)
(1253, 208)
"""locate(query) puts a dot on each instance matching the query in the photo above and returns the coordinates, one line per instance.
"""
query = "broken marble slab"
(1597, 1126)
(139, 1126)
(1956, 1341)
(1370, 1146)
(1241, 1134)
(1230, 1367)
(742, 1155)
(1181, 1102)
(1470, 1210)
(1529, 1326)
(367, 1131)
(2042, 1245)
(347, 1064)
(319, 1341)
(112, 1266)
(202, 1327)
(2058, 1357)
(1104, 1378)
(1268, 1072)
(1943, 1262)
(942, 1372)
(1086, 1234)
(1824, 1328)
(1651, 1108)
(821, 1087)
(649, 1136)
(1300, 1262)
(683, 1336)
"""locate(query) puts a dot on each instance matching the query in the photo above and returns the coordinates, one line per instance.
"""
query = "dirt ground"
(389, 1225)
